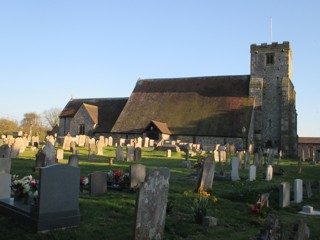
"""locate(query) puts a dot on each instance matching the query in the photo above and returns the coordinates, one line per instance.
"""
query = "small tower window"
(269, 58)
(81, 129)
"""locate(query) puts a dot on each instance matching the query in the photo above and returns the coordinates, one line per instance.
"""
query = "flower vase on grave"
(26, 199)
(17, 196)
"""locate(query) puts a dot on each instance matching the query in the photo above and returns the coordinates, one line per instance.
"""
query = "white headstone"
(284, 194)
(169, 153)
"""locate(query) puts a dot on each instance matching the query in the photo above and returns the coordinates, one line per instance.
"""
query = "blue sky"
(52, 50)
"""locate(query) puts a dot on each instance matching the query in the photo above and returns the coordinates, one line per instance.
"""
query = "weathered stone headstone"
(239, 155)
(98, 183)
(185, 164)
(137, 175)
(122, 142)
(146, 142)
(35, 141)
(269, 173)
(298, 190)
(110, 141)
(5, 151)
(137, 154)
(252, 173)
(72, 146)
(59, 154)
(151, 205)
(102, 141)
(151, 143)
(73, 160)
(5, 183)
(130, 153)
(82, 140)
(40, 160)
(5, 165)
(67, 143)
(119, 154)
(169, 153)
(92, 149)
(99, 148)
(284, 194)
(139, 142)
(50, 153)
(15, 148)
(207, 175)
(234, 169)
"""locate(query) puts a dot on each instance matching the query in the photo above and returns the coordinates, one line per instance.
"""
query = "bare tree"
(32, 121)
(51, 116)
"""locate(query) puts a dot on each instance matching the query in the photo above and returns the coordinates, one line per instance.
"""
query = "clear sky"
(52, 50)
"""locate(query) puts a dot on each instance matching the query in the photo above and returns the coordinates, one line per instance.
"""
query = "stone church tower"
(275, 123)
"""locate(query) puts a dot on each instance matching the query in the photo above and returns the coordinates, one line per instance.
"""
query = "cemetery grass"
(111, 216)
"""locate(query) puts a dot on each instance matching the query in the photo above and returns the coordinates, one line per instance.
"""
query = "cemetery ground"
(111, 215)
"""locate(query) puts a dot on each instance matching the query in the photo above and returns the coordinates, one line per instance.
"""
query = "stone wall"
(64, 126)
(82, 117)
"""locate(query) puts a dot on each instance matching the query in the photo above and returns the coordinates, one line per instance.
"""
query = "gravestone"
(137, 175)
(110, 141)
(99, 148)
(67, 142)
(87, 142)
(119, 153)
(5, 151)
(98, 183)
(185, 164)
(234, 168)
(151, 143)
(59, 154)
(72, 146)
(58, 199)
(252, 173)
(169, 153)
(269, 173)
(298, 190)
(35, 141)
(92, 149)
(216, 156)
(270, 157)
(130, 153)
(139, 142)
(40, 160)
(122, 142)
(146, 142)
(102, 141)
(15, 148)
(239, 155)
(50, 153)
(82, 140)
(151, 205)
(5, 183)
(5, 165)
(73, 160)
(232, 149)
(207, 175)
(303, 157)
(137, 154)
(284, 194)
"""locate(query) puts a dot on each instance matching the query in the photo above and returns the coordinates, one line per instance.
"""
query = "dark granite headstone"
(130, 153)
(151, 205)
(98, 183)
(40, 160)
(137, 154)
(119, 154)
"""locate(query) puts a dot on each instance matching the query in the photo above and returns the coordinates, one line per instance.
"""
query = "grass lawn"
(111, 216)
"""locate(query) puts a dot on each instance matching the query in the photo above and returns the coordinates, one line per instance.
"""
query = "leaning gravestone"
(205, 180)
(50, 153)
(235, 169)
(284, 194)
(72, 146)
(81, 141)
(73, 160)
(98, 183)
(130, 153)
(119, 154)
(151, 205)
(137, 175)
(5, 151)
(137, 154)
